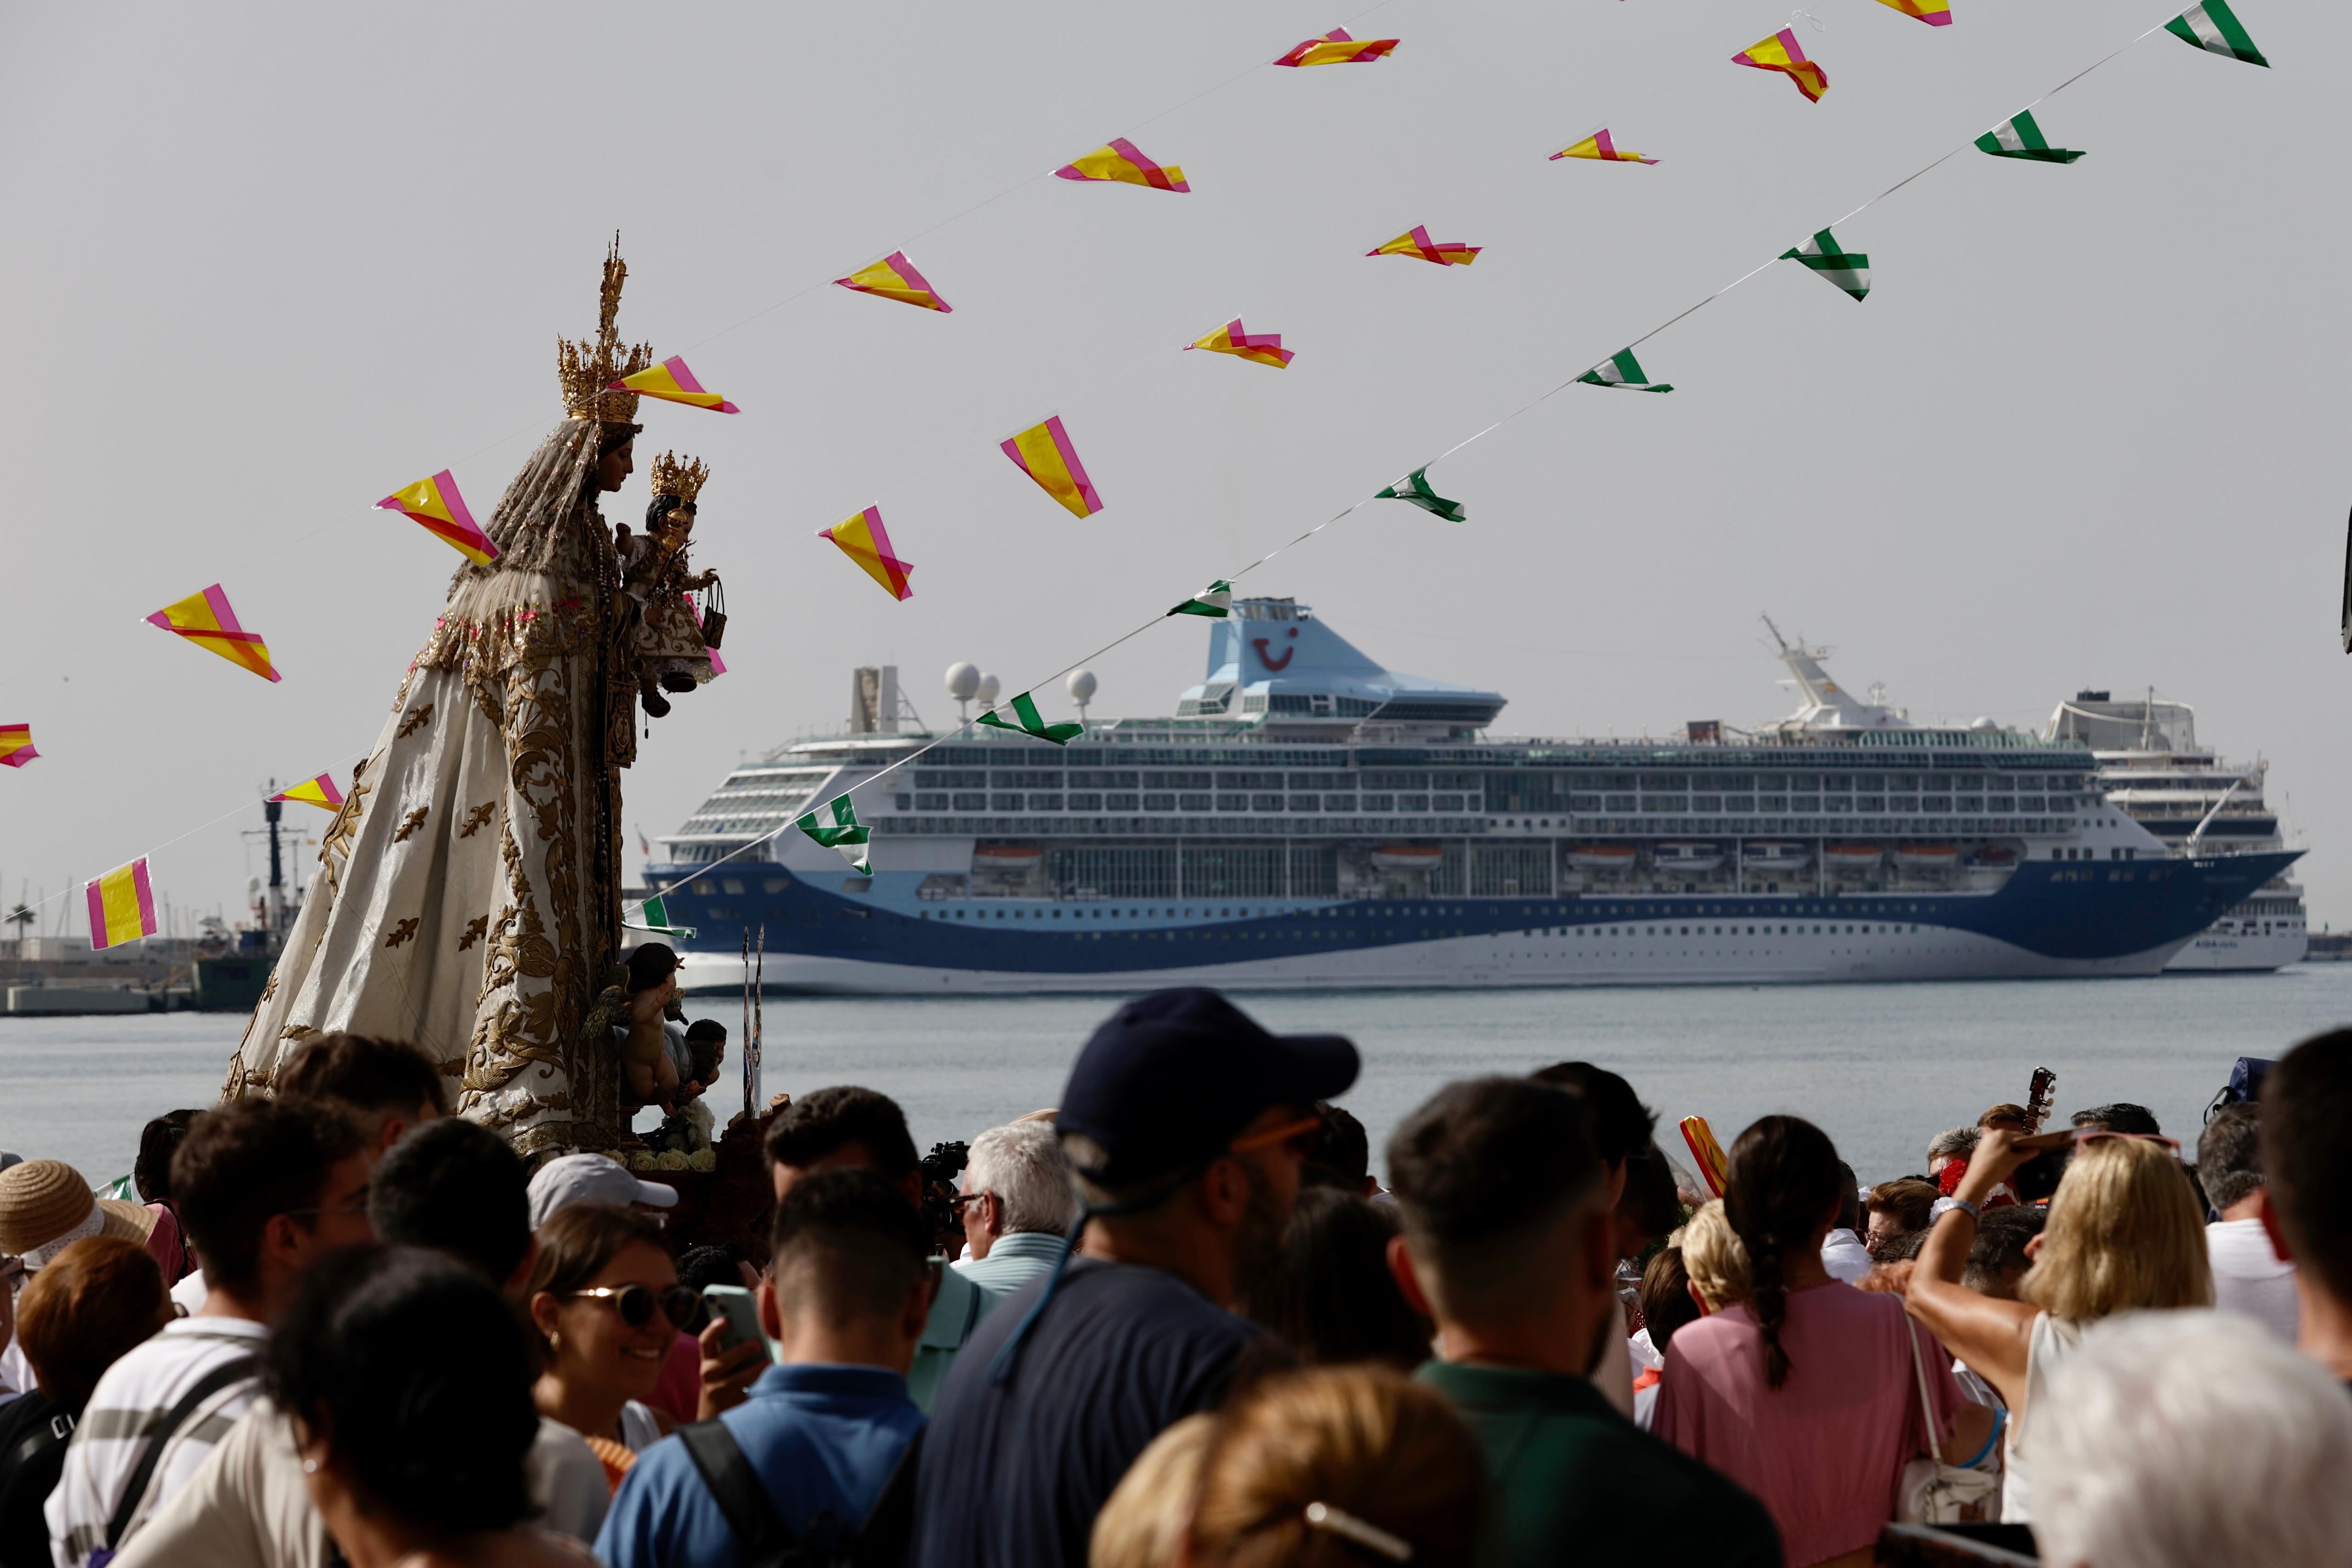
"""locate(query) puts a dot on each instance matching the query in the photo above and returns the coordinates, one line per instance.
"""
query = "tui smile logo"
(1268, 659)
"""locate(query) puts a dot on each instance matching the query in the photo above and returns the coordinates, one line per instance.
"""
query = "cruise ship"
(1309, 819)
(2199, 805)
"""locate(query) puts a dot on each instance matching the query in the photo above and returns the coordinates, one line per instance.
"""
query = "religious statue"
(468, 891)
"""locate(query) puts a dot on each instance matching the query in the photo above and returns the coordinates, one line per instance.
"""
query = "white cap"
(571, 1179)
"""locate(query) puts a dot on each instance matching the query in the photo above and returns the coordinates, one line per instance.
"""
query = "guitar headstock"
(2038, 1098)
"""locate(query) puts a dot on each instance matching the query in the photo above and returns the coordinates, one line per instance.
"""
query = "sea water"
(1881, 1067)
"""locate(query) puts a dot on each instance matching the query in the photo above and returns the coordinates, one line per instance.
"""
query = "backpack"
(767, 1541)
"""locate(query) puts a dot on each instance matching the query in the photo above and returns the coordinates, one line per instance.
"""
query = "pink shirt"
(1825, 1451)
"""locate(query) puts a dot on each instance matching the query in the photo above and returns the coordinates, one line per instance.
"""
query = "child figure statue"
(665, 640)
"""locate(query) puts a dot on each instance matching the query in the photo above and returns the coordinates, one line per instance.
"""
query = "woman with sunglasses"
(2124, 1234)
(605, 1301)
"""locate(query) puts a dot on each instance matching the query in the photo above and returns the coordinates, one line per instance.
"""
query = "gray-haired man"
(1016, 1204)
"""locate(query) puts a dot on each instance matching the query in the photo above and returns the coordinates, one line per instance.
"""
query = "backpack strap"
(44, 1434)
(135, 1489)
(889, 1528)
(751, 1513)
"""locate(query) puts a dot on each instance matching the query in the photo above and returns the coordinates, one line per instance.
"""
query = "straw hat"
(42, 1200)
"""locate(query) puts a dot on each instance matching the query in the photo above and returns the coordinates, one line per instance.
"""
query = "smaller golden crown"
(681, 479)
(588, 369)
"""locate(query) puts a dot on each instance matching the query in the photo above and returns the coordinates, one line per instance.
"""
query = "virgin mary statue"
(468, 894)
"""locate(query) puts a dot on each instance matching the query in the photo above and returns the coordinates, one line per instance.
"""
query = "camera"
(941, 1168)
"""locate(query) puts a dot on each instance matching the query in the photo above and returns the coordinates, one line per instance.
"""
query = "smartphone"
(738, 1309)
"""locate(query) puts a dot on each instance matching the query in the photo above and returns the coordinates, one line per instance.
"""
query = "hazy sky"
(267, 263)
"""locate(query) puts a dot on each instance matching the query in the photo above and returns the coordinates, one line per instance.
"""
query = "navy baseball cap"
(1172, 1077)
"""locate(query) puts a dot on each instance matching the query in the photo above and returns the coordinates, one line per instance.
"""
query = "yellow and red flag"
(865, 541)
(1599, 146)
(1337, 49)
(672, 383)
(1044, 453)
(1935, 13)
(1780, 53)
(17, 745)
(121, 905)
(1121, 160)
(895, 277)
(319, 791)
(206, 619)
(1258, 348)
(1713, 1168)
(1416, 243)
(436, 504)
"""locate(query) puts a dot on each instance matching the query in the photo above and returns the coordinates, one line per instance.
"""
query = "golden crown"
(681, 479)
(587, 369)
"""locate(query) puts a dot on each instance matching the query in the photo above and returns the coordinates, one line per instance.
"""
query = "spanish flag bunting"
(319, 791)
(206, 620)
(672, 383)
(1713, 1168)
(121, 905)
(1337, 49)
(1258, 348)
(1044, 453)
(1026, 721)
(2021, 138)
(1215, 602)
(895, 277)
(1780, 53)
(1415, 242)
(1413, 489)
(1845, 269)
(2214, 27)
(436, 505)
(1623, 370)
(1935, 13)
(1600, 147)
(17, 745)
(865, 541)
(1123, 160)
(844, 833)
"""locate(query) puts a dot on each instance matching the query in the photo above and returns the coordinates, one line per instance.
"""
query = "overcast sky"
(265, 264)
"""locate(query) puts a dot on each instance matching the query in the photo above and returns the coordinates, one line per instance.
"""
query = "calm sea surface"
(1881, 1067)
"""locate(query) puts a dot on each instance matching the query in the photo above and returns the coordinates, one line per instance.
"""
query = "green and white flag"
(653, 915)
(1848, 269)
(844, 834)
(1024, 709)
(2021, 138)
(2214, 27)
(1413, 489)
(1215, 601)
(1623, 370)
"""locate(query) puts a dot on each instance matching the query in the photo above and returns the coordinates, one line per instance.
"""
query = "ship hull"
(2213, 952)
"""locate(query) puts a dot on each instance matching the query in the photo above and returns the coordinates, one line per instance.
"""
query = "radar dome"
(1082, 685)
(1983, 723)
(987, 690)
(963, 679)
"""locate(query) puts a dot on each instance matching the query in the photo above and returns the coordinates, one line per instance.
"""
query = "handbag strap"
(1919, 1370)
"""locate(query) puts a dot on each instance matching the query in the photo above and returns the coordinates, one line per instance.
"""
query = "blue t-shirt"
(1013, 1476)
(823, 1440)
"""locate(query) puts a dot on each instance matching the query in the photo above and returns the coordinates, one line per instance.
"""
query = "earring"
(310, 1466)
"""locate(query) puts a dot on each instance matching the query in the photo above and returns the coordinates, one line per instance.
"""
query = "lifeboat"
(1775, 857)
(1603, 857)
(1926, 857)
(1684, 857)
(1995, 855)
(1851, 856)
(1010, 858)
(1408, 857)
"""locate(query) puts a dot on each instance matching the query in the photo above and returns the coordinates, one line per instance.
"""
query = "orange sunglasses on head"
(1299, 1135)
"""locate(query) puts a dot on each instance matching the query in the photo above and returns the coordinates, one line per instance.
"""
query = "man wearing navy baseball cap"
(1186, 1123)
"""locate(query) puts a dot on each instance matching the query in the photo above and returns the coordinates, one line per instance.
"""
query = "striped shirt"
(129, 1405)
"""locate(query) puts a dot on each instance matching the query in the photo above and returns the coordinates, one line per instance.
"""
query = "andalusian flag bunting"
(1414, 490)
(1415, 242)
(1258, 348)
(1044, 453)
(436, 504)
(865, 541)
(1024, 711)
(2213, 26)
(17, 744)
(653, 915)
(1848, 269)
(672, 383)
(1121, 160)
(121, 905)
(1780, 53)
(1621, 370)
(319, 792)
(843, 833)
(1935, 13)
(1600, 147)
(2021, 138)
(1337, 49)
(1215, 601)
(206, 620)
(895, 277)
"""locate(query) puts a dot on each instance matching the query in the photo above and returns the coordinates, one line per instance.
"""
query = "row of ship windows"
(1318, 933)
(1090, 801)
(1517, 781)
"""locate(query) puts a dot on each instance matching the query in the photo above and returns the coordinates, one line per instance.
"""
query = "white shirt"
(2250, 1277)
(191, 1292)
(129, 1399)
(1843, 1255)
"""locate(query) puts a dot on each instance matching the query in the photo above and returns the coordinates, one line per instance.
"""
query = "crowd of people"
(1176, 1321)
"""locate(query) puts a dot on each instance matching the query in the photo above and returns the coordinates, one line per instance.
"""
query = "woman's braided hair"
(1783, 1181)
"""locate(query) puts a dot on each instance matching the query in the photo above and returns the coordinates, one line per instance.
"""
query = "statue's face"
(613, 468)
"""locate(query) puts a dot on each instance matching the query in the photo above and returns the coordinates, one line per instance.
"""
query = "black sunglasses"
(679, 1303)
